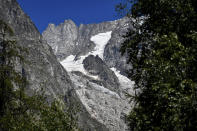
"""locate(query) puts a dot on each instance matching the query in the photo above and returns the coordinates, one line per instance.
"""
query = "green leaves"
(5, 29)
(164, 59)
(168, 87)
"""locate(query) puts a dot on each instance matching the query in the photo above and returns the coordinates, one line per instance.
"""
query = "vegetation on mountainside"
(19, 111)
(163, 51)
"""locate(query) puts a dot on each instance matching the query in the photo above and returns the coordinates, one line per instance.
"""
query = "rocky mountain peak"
(69, 21)
(62, 38)
(95, 66)
(51, 27)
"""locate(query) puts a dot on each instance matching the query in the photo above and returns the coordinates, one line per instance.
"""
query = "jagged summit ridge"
(68, 39)
(62, 46)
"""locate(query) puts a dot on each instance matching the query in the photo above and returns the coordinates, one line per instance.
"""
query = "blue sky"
(43, 12)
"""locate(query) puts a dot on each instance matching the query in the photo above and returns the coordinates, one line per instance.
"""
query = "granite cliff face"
(66, 39)
(62, 46)
(96, 67)
(42, 68)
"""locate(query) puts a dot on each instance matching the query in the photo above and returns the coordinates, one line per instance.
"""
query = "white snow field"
(100, 40)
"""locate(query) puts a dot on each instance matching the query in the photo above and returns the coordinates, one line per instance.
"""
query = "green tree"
(163, 51)
(19, 111)
(10, 79)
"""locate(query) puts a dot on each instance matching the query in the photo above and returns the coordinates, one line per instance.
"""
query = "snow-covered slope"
(73, 64)
(100, 40)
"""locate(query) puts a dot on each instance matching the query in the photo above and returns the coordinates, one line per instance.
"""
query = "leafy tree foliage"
(19, 111)
(163, 51)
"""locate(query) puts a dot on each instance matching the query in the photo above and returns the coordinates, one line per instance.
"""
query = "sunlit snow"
(100, 40)
(124, 81)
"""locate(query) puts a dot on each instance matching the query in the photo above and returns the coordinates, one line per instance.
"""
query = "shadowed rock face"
(112, 54)
(94, 65)
(42, 68)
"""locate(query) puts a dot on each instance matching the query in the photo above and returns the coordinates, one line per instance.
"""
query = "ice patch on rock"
(124, 81)
(100, 40)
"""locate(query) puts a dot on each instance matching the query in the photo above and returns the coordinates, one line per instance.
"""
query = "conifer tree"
(163, 51)
(8, 76)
